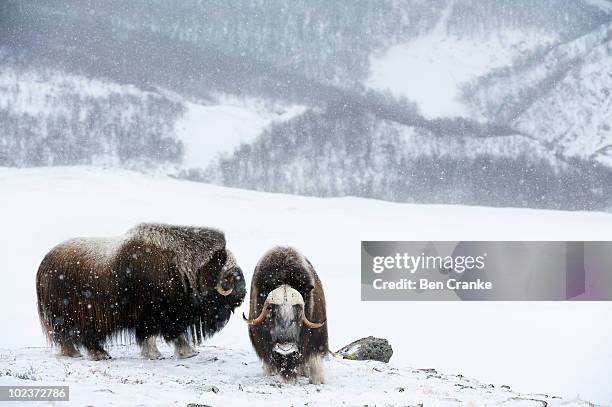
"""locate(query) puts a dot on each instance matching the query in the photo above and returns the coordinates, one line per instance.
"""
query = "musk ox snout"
(286, 358)
(286, 348)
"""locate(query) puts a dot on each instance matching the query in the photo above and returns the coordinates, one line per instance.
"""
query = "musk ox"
(287, 315)
(177, 282)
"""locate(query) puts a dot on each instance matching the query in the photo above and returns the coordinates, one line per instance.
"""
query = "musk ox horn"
(311, 325)
(280, 295)
(230, 264)
(222, 291)
(262, 315)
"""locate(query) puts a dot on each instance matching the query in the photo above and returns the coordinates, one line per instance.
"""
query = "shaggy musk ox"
(287, 315)
(179, 282)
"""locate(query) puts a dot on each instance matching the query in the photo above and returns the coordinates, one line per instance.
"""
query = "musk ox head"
(230, 284)
(223, 287)
(284, 317)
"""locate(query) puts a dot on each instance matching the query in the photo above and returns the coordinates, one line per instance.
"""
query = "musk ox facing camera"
(287, 316)
(177, 282)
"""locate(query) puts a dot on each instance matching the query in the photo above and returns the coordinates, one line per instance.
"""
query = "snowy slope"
(563, 97)
(552, 348)
(432, 68)
(39, 100)
(52, 117)
(220, 126)
(35, 91)
(576, 115)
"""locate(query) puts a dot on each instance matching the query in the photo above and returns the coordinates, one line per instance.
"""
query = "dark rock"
(427, 370)
(369, 348)
(211, 387)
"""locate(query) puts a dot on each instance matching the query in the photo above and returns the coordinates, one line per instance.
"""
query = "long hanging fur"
(154, 280)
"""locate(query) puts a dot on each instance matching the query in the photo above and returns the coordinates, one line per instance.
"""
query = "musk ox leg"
(268, 369)
(316, 373)
(96, 351)
(149, 349)
(68, 349)
(182, 348)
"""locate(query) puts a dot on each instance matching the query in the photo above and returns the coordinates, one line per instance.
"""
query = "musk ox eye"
(272, 308)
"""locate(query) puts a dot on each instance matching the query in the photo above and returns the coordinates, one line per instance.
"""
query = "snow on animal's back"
(101, 250)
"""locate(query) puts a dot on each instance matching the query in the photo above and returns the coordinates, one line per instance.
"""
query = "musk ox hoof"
(149, 349)
(69, 351)
(183, 349)
(187, 355)
(152, 354)
(316, 373)
(269, 370)
(317, 380)
(99, 355)
(185, 352)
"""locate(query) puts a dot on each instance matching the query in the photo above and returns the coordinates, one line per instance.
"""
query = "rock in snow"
(369, 348)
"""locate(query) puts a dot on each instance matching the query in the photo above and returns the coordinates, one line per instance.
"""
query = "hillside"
(346, 151)
(478, 102)
(48, 117)
(562, 97)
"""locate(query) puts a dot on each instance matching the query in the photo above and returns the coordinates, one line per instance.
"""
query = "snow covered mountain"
(345, 150)
(561, 97)
(473, 94)
(50, 117)
(555, 348)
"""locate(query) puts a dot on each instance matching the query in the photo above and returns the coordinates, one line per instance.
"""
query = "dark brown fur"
(285, 265)
(93, 290)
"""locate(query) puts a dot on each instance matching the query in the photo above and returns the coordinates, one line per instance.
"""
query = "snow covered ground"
(221, 376)
(552, 348)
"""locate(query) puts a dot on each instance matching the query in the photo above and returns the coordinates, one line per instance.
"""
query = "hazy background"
(490, 102)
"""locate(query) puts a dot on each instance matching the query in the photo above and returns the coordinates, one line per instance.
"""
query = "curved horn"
(309, 324)
(229, 265)
(222, 291)
(262, 315)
